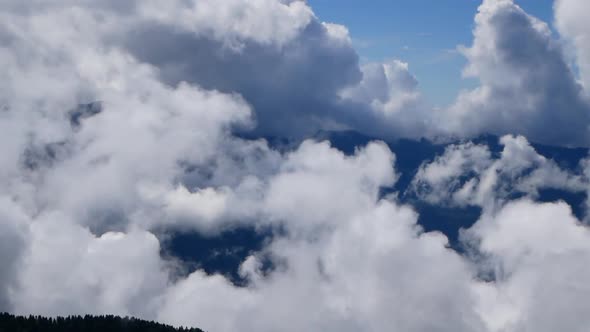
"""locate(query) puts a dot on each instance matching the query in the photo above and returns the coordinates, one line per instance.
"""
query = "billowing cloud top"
(125, 122)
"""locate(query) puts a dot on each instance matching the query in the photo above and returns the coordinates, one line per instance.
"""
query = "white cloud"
(526, 86)
(535, 251)
(362, 269)
(201, 209)
(440, 180)
(388, 87)
(320, 185)
(67, 270)
(573, 26)
(284, 61)
(467, 174)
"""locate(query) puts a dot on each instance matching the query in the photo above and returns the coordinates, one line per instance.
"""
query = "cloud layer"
(126, 121)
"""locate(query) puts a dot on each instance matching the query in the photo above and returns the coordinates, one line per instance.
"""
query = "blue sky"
(423, 33)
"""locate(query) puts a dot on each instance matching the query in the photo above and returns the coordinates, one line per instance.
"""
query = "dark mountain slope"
(109, 323)
(223, 253)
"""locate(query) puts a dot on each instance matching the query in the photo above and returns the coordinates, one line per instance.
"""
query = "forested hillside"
(11, 323)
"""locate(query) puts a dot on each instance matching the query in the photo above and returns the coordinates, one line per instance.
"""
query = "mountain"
(224, 252)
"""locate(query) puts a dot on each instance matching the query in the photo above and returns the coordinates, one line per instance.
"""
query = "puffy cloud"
(535, 252)
(201, 209)
(68, 168)
(388, 102)
(356, 262)
(67, 270)
(143, 131)
(437, 181)
(333, 285)
(287, 193)
(468, 174)
(575, 29)
(389, 87)
(313, 175)
(278, 56)
(262, 21)
(526, 86)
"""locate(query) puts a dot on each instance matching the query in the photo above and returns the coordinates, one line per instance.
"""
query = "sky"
(423, 33)
(378, 188)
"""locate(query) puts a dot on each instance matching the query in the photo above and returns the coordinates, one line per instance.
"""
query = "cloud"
(68, 270)
(13, 223)
(337, 286)
(526, 86)
(285, 62)
(534, 251)
(301, 75)
(468, 174)
(388, 87)
(574, 28)
(281, 21)
(355, 262)
(387, 103)
(315, 173)
(123, 124)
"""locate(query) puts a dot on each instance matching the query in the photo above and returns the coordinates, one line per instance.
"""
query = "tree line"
(87, 323)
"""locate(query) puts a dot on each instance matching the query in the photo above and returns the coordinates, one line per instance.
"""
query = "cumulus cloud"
(388, 102)
(357, 262)
(526, 86)
(284, 61)
(468, 174)
(358, 277)
(301, 75)
(534, 251)
(574, 28)
(68, 270)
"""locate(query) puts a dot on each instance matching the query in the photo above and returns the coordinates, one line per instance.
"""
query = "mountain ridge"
(86, 323)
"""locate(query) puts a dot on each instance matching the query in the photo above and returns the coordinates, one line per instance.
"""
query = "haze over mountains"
(232, 165)
(224, 252)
